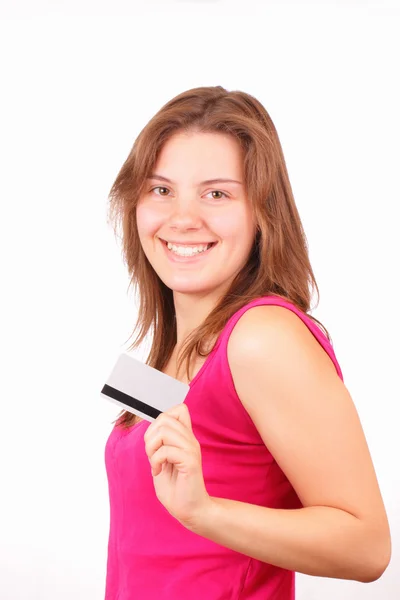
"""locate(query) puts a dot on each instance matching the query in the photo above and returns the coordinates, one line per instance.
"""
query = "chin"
(191, 287)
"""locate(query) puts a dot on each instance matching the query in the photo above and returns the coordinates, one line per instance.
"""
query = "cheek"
(148, 220)
(233, 225)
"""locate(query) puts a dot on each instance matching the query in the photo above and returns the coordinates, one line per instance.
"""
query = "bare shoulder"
(271, 330)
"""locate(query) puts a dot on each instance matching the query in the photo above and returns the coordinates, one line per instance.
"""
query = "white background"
(79, 80)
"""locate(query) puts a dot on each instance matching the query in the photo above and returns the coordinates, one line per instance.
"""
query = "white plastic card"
(141, 389)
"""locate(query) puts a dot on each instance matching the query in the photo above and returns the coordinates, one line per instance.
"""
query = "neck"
(191, 311)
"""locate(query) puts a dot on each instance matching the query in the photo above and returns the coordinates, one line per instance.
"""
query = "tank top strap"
(278, 301)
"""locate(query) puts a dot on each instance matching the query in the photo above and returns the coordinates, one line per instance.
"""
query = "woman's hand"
(175, 459)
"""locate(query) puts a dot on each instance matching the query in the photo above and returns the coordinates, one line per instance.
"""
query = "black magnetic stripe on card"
(144, 408)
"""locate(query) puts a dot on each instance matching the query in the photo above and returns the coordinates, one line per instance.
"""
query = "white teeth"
(187, 250)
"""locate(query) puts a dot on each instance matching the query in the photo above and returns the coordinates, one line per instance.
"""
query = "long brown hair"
(278, 262)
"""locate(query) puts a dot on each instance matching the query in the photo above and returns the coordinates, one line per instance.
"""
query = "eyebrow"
(206, 182)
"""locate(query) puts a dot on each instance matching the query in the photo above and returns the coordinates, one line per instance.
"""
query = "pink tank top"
(151, 556)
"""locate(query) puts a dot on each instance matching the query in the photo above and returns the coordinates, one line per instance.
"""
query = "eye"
(160, 188)
(218, 192)
(212, 192)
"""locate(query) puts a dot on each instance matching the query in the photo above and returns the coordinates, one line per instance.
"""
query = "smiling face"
(180, 205)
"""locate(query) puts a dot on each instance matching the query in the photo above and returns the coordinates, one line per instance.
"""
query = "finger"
(169, 420)
(181, 459)
(181, 413)
(167, 436)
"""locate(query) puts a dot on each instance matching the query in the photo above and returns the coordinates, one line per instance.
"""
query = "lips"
(187, 243)
(188, 259)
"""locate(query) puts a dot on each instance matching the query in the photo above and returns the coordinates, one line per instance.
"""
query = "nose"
(184, 215)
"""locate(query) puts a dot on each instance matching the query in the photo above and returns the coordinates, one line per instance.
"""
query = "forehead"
(200, 156)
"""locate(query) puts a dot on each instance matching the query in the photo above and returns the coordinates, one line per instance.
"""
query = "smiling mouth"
(187, 250)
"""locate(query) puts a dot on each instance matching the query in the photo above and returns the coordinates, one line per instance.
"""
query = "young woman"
(264, 470)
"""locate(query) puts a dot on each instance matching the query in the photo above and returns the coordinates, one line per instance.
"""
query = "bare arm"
(307, 419)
